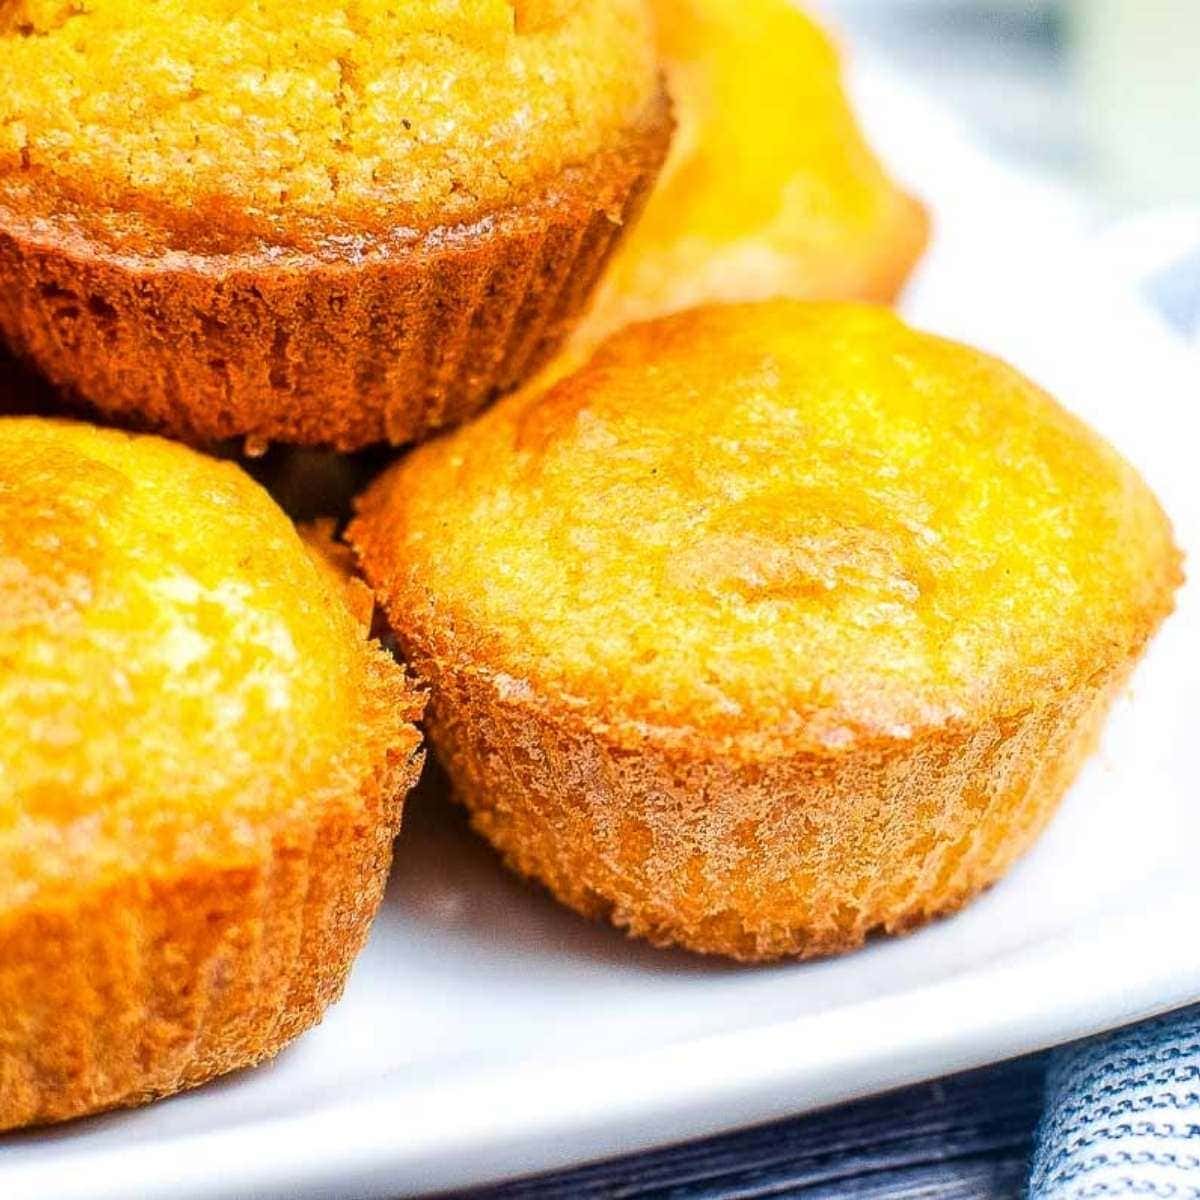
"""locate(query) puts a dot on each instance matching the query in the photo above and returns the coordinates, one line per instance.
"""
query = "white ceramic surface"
(487, 1033)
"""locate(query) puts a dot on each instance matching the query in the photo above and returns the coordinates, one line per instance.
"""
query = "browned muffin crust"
(344, 341)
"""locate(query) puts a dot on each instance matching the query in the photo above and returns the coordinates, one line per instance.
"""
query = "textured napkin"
(1122, 1115)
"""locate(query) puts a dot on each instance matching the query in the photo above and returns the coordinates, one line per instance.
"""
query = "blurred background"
(1103, 94)
(1101, 97)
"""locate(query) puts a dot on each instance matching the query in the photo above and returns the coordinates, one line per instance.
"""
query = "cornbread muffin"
(221, 221)
(773, 625)
(769, 188)
(202, 762)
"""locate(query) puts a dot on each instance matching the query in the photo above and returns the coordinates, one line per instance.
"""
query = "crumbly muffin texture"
(180, 678)
(770, 626)
(788, 523)
(770, 188)
(405, 113)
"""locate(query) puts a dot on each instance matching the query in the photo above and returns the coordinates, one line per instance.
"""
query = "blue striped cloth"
(1122, 1116)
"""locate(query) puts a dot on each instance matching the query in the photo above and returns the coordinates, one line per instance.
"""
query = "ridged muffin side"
(799, 855)
(170, 909)
(772, 625)
(363, 340)
(124, 993)
(217, 223)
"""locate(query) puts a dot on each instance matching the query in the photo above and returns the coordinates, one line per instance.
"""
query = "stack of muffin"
(752, 624)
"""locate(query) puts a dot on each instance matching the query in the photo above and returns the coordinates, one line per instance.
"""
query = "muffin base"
(756, 859)
(135, 989)
(363, 340)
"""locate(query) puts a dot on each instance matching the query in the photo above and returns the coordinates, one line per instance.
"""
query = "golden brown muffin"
(202, 763)
(769, 188)
(221, 222)
(773, 625)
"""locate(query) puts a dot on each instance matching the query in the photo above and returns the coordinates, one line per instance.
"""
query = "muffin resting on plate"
(202, 763)
(771, 626)
(222, 221)
(769, 188)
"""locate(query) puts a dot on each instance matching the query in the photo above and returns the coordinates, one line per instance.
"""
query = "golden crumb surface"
(179, 678)
(203, 759)
(770, 188)
(352, 111)
(779, 520)
(772, 625)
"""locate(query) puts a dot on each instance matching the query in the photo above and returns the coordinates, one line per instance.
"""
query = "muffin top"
(351, 114)
(778, 525)
(179, 675)
(769, 188)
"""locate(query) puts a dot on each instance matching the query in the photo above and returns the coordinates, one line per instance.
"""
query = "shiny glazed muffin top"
(357, 112)
(179, 674)
(780, 525)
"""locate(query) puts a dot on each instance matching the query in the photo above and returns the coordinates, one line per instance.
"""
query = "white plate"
(486, 1033)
